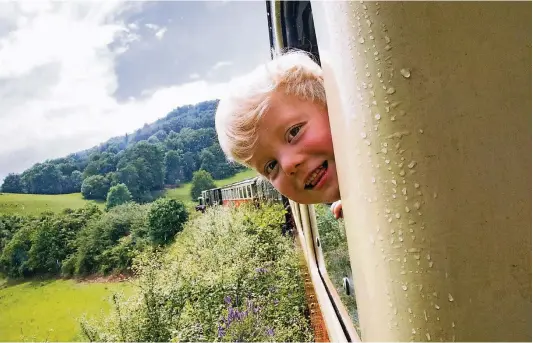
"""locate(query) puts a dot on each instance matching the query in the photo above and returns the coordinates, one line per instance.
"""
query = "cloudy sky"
(73, 74)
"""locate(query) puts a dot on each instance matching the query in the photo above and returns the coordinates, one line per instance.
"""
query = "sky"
(74, 74)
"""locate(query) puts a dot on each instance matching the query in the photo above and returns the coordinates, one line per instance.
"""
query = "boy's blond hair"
(238, 114)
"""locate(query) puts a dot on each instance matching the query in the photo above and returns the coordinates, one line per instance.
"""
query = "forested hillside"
(166, 152)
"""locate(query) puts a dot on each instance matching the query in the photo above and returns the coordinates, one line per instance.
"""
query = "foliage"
(117, 195)
(40, 244)
(13, 184)
(95, 187)
(166, 218)
(230, 276)
(201, 181)
(100, 243)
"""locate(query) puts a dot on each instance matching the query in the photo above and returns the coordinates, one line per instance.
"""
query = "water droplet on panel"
(411, 222)
(371, 37)
(388, 47)
(417, 205)
(407, 209)
(387, 39)
(425, 314)
(402, 172)
(377, 116)
(435, 195)
(430, 264)
(450, 298)
(417, 185)
(373, 180)
(384, 150)
(404, 190)
(428, 336)
(405, 73)
(453, 324)
(411, 165)
(421, 131)
(404, 287)
(437, 307)
(414, 250)
(391, 90)
(397, 215)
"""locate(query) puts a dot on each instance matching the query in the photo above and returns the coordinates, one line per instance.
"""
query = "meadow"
(34, 204)
(48, 310)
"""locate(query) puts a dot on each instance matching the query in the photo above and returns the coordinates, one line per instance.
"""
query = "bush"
(117, 195)
(95, 187)
(230, 276)
(201, 180)
(103, 234)
(166, 218)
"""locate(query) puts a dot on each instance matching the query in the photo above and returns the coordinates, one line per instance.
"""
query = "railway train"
(252, 190)
(430, 113)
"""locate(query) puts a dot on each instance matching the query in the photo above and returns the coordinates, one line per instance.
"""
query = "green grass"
(184, 192)
(33, 204)
(249, 173)
(49, 310)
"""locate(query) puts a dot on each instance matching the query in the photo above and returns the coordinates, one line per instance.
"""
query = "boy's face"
(295, 151)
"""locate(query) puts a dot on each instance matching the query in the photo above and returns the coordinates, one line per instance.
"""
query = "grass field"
(49, 310)
(184, 192)
(34, 204)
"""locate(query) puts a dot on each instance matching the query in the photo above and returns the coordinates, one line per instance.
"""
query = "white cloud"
(58, 78)
(160, 33)
(221, 64)
(194, 76)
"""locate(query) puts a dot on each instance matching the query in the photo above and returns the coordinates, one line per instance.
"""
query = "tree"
(173, 167)
(76, 179)
(166, 218)
(201, 181)
(13, 184)
(118, 195)
(95, 187)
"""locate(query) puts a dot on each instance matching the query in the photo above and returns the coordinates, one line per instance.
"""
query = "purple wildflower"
(221, 331)
(227, 299)
(261, 270)
(270, 332)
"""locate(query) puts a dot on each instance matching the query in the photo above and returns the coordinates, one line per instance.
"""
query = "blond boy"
(275, 120)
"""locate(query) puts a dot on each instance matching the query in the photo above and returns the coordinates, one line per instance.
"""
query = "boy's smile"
(294, 150)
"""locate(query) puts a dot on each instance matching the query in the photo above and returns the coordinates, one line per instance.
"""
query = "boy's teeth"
(312, 179)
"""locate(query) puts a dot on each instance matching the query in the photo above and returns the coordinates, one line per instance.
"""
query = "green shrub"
(166, 218)
(230, 276)
(103, 234)
(117, 195)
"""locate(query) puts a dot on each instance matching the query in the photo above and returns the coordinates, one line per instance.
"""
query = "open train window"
(295, 20)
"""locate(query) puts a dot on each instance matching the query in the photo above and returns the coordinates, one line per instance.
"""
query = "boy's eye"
(269, 167)
(294, 131)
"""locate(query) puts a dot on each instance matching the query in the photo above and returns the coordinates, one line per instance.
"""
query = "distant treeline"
(167, 151)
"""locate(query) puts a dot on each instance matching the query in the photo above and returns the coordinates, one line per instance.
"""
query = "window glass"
(334, 246)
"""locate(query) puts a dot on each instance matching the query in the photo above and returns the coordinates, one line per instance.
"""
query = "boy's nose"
(291, 163)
